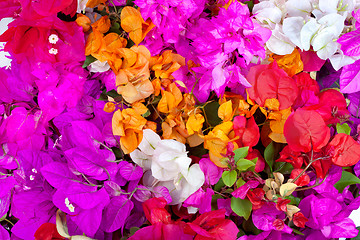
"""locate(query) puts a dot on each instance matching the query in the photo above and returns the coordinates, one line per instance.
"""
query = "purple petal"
(350, 78)
(130, 171)
(4, 235)
(350, 43)
(115, 214)
(211, 171)
(59, 176)
(242, 191)
(86, 134)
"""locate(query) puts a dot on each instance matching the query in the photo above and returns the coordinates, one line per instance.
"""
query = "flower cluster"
(180, 119)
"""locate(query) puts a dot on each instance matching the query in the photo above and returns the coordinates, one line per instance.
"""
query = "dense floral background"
(168, 119)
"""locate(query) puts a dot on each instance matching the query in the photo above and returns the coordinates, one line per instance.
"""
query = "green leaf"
(269, 155)
(211, 113)
(283, 167)
(133, 230)
(115, 27)
(294, 200)
(197, 151)
(244, 164)
(89, 59)
(241, 153)
(229, 177)
(112, 93)
(214, 198)
(241, 207)
(297, 231)
(219, 185)
(146, 114)
(343, 128)
(240, 182)
(346, 180)
(3, 217)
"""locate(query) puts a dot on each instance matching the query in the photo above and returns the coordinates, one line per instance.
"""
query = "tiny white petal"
(53, 51)
(53, 39)
(32, 177)
(71, 208)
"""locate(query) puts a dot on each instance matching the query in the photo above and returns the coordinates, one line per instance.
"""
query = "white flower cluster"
(166, 163)
(307, 23)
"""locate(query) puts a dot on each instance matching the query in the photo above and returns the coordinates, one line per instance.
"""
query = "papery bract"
(4, 234)
(211, 171)
(130, 171)
(344, 150)
(47, 231)
(269, 81)
(305, 131)
(116, 213)
(214, 225)
(349, 78)
(247, 131)
(350, 43)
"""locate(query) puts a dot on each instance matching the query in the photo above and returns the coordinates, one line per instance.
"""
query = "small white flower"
(53, 39)
(34, 170)
(69, 206)
(32, 177)
(53, 51)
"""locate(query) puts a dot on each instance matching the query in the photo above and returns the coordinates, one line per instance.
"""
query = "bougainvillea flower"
(290, 63)
(242, 190)
(169, 159)
(325, 214)
(23, 128)
(332, 106)
(216, 141)
(30, 40)
(132, 80)
(213, 225)
(102, 25)
(301, 181)
(348, 43)
(9, 8)
(265, 217)
(47, 231)
(349, 82)
(39, 9)
(344, 150)
(305, 130)
(308, 90)
(200, 199)
(128, 125)
(311, 61)
(260, 162)
(211, 171)
(269, 81)
(247, 130)
(169, 99)
(299, 220)
(83, 21)
(133, 23)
